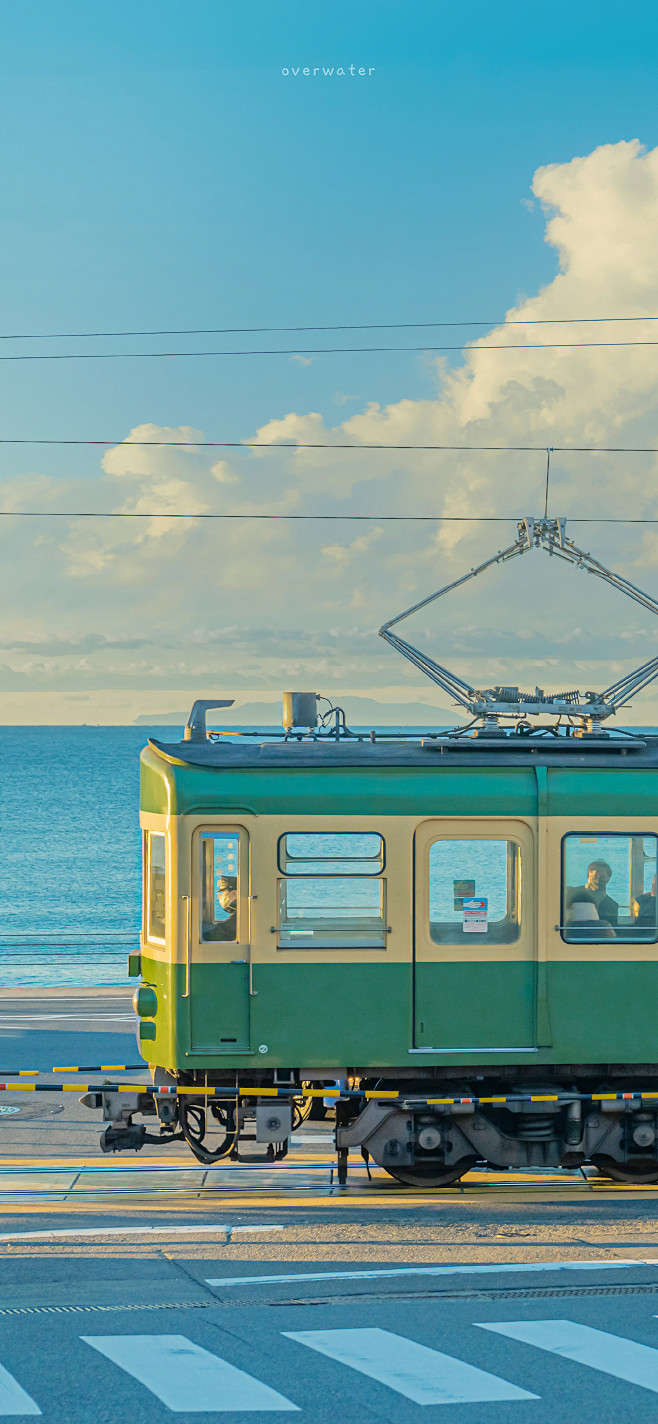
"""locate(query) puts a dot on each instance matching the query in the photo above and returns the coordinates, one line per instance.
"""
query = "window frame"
(329, 875)
(605, 942)
(459, 940)
(376, 875)
(146, 855)
(238, 834)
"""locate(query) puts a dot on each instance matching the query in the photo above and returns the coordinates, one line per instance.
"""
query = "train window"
(332, 894)
(219, 885)
(155, 865)
(609, 888)
(334, 853)
(475, 891)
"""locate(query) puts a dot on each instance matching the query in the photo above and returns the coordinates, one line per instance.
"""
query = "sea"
(70, 852)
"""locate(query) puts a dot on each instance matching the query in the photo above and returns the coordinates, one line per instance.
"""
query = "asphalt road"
(43, 1027)
(140, 1287)
(549, 1347)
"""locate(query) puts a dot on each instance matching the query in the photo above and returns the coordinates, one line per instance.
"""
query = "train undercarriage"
(436, 1129)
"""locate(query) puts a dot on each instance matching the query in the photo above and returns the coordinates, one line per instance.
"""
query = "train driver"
(227, 897)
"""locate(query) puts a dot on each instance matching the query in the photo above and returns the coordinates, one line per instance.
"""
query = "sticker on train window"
(462, 890)
(476, 918)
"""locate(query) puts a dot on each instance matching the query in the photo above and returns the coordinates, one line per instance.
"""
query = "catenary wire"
(344, 326)
(350, 518)
(313, 351)
(329, 445)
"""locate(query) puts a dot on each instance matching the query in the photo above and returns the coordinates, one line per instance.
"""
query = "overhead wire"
(350, 518)
(331, 445)
(343, 326)
(315, 351)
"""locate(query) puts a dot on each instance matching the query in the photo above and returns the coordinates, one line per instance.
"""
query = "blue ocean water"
(70, 863)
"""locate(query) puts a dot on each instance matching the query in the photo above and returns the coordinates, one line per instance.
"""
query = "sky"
(161, 171)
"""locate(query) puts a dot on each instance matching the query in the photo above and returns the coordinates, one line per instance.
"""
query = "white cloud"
(344, 553)
(274, 582)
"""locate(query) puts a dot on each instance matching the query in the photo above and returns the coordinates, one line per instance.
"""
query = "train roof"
(428, 751)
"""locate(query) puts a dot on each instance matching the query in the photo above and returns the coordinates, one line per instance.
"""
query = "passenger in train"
(227, 896)
(598, 875)
(582, 917)
(644, 908)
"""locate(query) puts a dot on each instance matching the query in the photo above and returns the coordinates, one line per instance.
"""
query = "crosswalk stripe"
(13, 1399)
(611, 1354)
(184, 1376)
(423, 1375)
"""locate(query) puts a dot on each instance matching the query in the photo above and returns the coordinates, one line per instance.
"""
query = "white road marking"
(315, 1137)
(76, 1231)
(424, 1375)
(611, 1354)
(17, 1019)
(13, 1399)
(185, 1377)
(366, 1275)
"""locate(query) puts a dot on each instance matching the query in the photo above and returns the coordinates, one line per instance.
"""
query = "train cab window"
(220, 871)
(155, 876)
(475, 891)
(332, 891)
(609, 888)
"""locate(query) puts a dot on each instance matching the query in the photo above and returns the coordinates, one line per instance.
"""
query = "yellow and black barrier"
(409, 1100)
(102, 1068)
(70, 1068)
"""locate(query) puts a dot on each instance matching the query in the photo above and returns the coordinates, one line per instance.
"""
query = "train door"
(218, 937)
(475, 935)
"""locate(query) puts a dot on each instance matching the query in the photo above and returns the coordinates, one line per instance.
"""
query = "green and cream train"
(418, 920)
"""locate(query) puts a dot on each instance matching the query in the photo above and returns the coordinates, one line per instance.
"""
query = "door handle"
(252, 992)
(188, 943)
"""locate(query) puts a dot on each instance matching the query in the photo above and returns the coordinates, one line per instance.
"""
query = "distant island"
(359, 711)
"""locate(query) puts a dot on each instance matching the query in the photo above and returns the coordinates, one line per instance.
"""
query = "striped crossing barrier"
(102, 1068)
(199, 1090)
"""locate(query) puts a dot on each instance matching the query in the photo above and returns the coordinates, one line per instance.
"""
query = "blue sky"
(159, 170)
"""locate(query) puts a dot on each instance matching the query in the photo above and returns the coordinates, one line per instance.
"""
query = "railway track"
(311, 1176)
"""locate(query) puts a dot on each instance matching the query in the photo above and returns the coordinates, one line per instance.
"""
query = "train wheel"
(426, 1174)
(208, 1141)
(640, 1173)
(312, 1108)
(303, 1109)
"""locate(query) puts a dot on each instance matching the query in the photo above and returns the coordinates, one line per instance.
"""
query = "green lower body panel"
(219, 1008)
(604, 1013)
(475, 1005)
(338, 1015)
(300, 1015)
